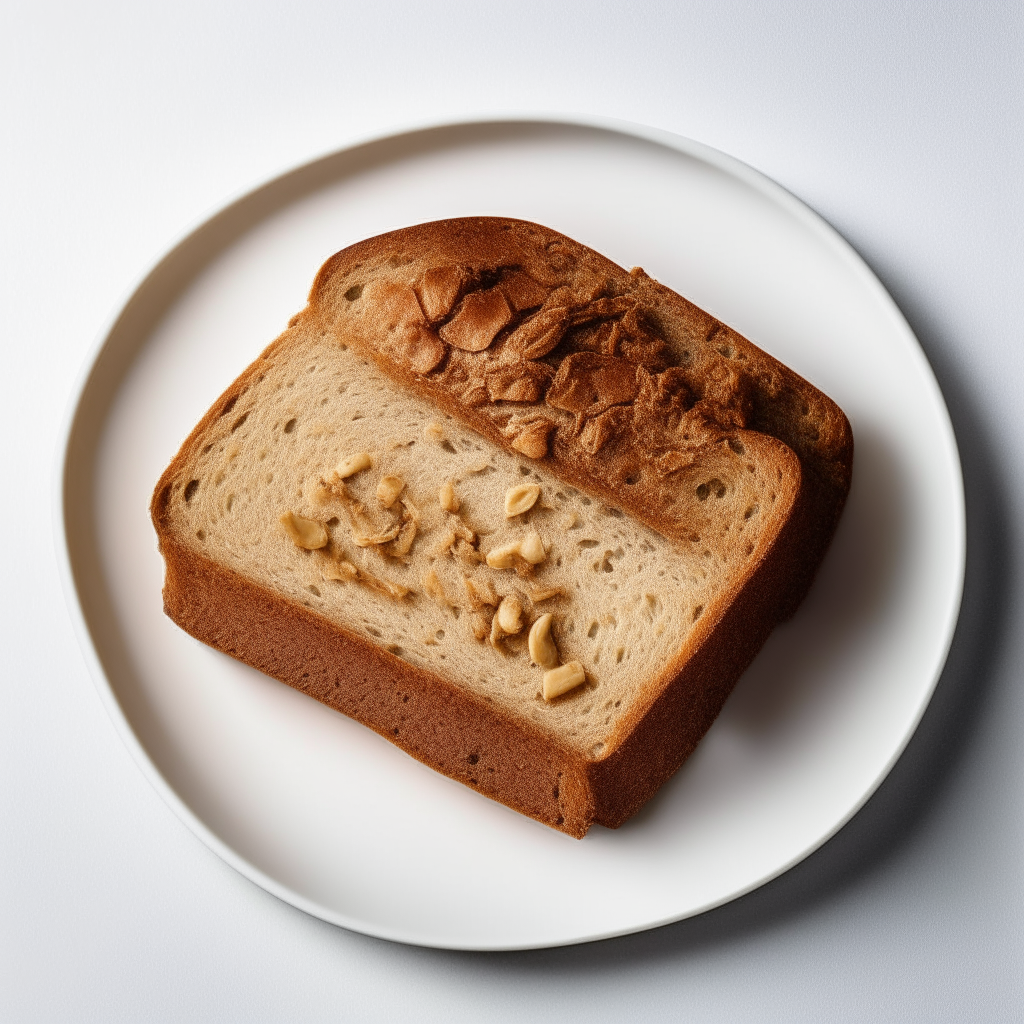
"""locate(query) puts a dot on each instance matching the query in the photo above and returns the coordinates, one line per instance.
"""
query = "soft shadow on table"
(898, 811)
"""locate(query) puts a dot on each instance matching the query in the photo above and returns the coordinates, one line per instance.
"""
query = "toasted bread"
(522, 512)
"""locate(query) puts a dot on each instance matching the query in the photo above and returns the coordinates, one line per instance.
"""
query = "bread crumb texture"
(628, 597)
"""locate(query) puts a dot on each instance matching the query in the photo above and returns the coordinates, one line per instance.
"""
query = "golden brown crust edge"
(439, 724)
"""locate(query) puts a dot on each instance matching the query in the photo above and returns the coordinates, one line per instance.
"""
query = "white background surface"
(121, 125)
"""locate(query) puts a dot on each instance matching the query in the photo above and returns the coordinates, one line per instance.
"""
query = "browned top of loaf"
(555, 352)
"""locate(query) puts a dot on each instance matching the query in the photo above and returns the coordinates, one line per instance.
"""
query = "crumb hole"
(354, 292)
(190, 489)
(289, 426)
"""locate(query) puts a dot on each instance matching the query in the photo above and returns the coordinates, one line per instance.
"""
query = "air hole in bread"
(524, 470)
(229, 405)
(588, 543)
(592, 632)
(632, 480)
(473, 758)
(448, 446)
(314, 590)
(752, 511)
(713, 486)
(190, 489)
(697, 612)
(354, 292)
(289, 426)
(737, 446)
(201, 534)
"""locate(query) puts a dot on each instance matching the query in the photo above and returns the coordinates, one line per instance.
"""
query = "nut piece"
(400, 546)
(447, 497)
(433, 431)
(344, 570)
(388, 490)
(434, 589)
(520, 499)
(561, 680)
(352, 465)
(503, 557)
(340, 570)
(496, 634)
(542, 644)
(510, 615)
(480, 625)
(532, 440)
(385, 537)
(480, 593)
(531, 547)
(307, 533)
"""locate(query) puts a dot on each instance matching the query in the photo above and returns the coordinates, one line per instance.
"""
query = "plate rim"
(87, 373)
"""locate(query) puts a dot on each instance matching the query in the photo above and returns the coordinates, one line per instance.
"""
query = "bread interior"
(628, 601)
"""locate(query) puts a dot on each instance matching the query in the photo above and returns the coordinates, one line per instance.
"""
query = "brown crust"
(438, 722)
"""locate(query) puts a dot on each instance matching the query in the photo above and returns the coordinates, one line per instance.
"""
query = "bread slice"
(525, 514)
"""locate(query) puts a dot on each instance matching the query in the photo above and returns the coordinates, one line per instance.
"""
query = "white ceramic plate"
(331, 818)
